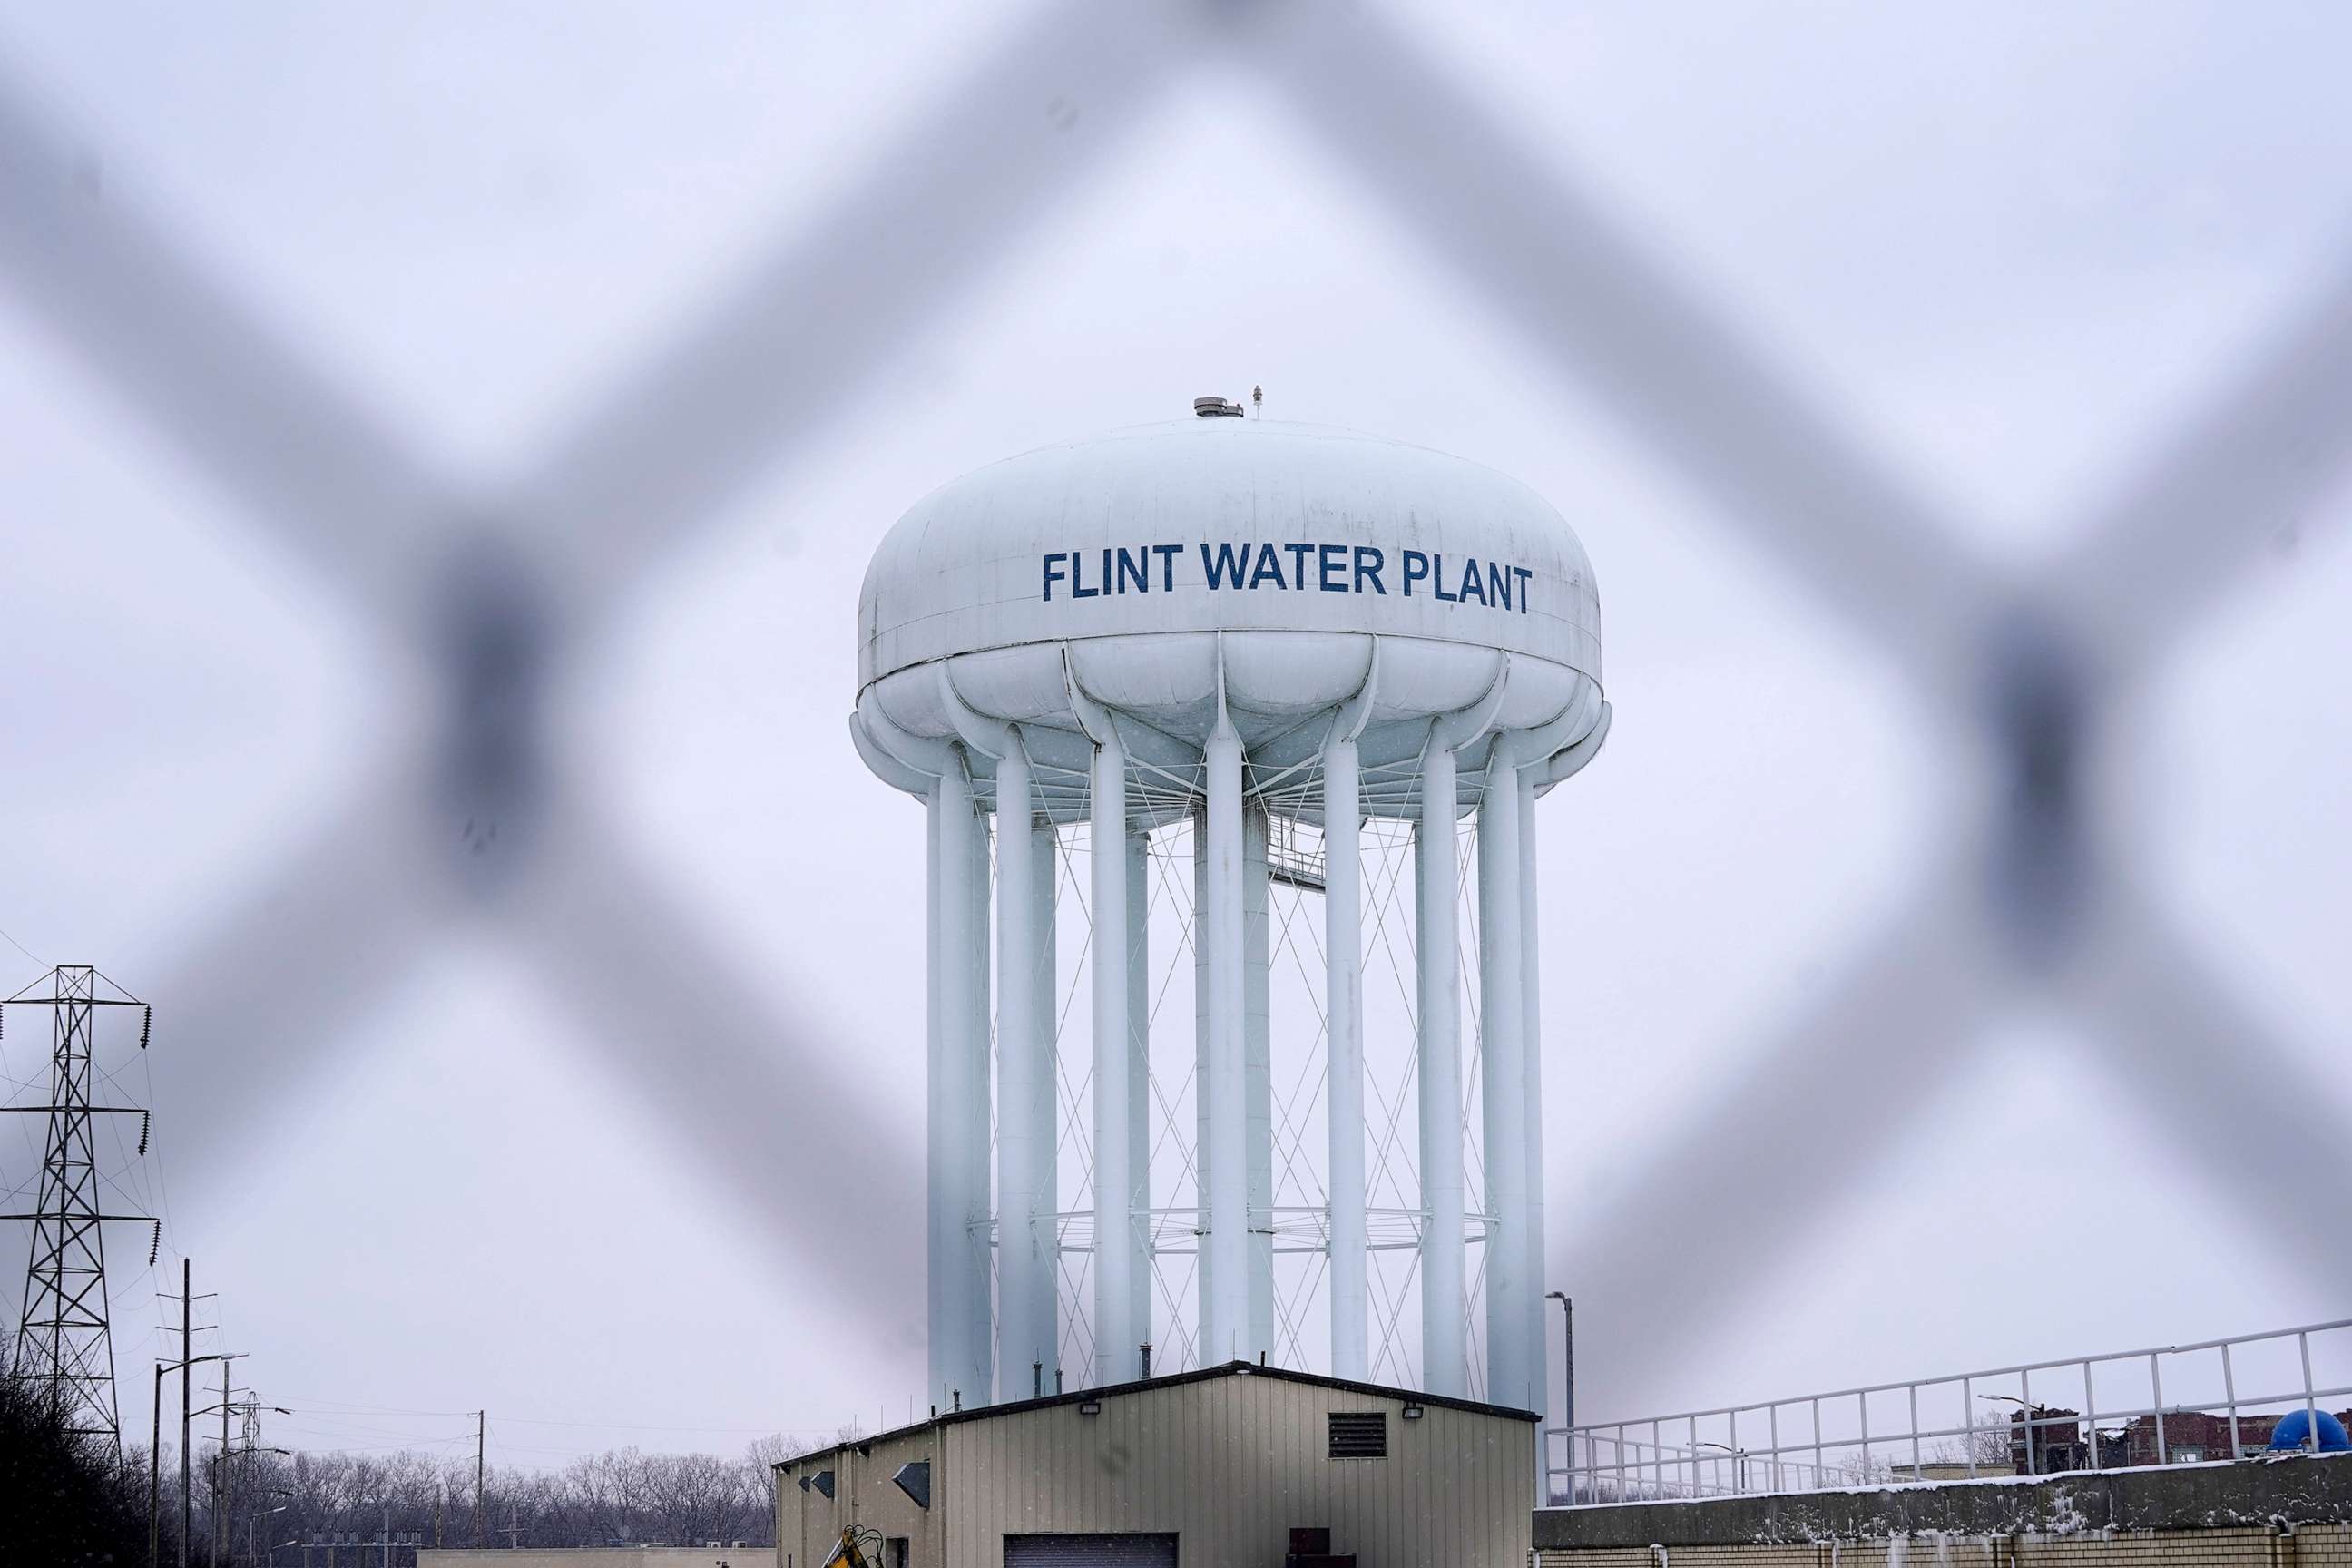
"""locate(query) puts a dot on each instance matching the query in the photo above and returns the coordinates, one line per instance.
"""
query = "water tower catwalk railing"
(1039, 1151)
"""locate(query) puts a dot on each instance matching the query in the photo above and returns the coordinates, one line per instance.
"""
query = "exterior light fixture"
(1090, 1407)
(1412, 1412)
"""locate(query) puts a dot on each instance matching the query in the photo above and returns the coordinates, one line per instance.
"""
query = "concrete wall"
(568, 1557)
(1227, 1464)
(2300, 1489)
(2237, 1546)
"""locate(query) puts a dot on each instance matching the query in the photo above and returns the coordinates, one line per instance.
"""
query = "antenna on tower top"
(1257, 401)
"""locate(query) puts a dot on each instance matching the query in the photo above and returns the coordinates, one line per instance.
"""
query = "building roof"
(1203, 1374)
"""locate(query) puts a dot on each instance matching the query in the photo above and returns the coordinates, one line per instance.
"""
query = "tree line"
(73, 1502)
(267, 1502)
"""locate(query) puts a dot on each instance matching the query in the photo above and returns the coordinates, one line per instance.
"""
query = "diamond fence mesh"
(492, 602)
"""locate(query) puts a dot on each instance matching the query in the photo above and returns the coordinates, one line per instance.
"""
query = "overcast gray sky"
(2009, 249)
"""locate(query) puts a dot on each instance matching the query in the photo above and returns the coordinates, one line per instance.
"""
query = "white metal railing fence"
(2216, 1399)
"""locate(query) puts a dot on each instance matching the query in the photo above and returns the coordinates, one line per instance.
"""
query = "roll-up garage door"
(1089, 1551)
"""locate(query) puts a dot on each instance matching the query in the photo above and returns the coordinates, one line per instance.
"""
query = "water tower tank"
(1271, 639)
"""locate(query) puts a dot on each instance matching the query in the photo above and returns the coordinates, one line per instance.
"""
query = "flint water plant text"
(1295, 568)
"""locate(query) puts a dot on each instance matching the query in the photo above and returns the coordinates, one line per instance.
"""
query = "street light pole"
(1567, 1356)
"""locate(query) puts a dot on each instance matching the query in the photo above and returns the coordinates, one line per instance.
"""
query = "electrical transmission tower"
(64, 1346)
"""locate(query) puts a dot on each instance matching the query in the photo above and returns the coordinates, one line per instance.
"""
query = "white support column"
(1115, 1217)
(1222, 1090)
(958, 1261)
(1538, 772)
(1531, 1098)
(977, 1285)
(938, 1189)
(1258, 1068)
(1344, 1009)
(1138, 1071)
(1443, 1294)
(1024, 1112)
(1047, 1332)
(1502, 1005)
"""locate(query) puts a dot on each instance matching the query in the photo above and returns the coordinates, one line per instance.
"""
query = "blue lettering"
(1330, 560)
(1224, 568)
(1332, 569)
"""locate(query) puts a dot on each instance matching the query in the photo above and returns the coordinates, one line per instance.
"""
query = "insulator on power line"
(154, 1244)
(146, 1118)
(146, 1022)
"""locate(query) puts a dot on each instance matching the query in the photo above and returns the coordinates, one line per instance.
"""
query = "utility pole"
(220, 1477)
(63, 1339)
(188, 1361)
(481, 1431)
(219, 1460)
(187, 1515)
(238, 1483)
(156, 1475)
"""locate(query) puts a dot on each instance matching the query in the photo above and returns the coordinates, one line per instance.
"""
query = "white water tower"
(1241, 722)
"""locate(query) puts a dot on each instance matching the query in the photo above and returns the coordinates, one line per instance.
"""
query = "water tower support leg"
(1344, 1004)
(1138, 1078)
(1531, 1095)
(1436, 940)
(1258, 1067)
(1047, 1304)
(1024, 1110)
(976, 1285)
(941, 1330)
(959, 1351)
(1225, 1253)
(1115, 1215)
(1501, 1014)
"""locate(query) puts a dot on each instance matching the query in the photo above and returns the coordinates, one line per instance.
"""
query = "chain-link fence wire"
(490, 598)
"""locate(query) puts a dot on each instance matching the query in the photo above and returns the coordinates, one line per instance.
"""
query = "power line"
(20, 947)
(353, 1406)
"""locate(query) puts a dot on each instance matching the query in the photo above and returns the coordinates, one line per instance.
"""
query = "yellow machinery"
(858, 1549)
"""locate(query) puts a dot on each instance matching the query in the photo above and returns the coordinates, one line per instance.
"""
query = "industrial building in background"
(1234, 1464)
(1231, 732)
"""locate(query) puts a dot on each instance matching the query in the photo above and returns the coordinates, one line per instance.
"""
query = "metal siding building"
(1228, 1461)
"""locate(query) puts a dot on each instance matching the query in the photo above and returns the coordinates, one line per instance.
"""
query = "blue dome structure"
(2294, 1430)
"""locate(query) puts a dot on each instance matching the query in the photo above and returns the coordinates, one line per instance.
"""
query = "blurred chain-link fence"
(490, 598)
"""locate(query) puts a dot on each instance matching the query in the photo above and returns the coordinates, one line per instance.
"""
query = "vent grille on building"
(1360, 1435)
